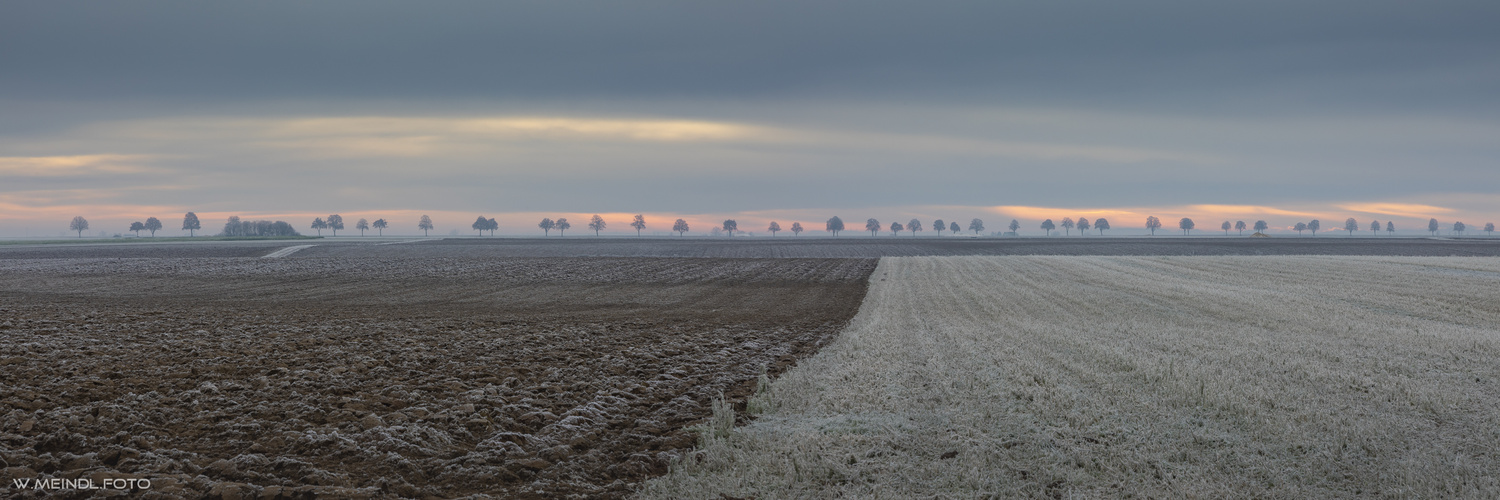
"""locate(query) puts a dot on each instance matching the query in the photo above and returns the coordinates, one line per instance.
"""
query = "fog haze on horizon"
(1283, 111)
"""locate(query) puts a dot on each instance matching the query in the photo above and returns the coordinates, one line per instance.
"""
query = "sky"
(1283, 111)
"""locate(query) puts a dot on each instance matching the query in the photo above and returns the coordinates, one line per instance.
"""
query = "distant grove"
(235, 227)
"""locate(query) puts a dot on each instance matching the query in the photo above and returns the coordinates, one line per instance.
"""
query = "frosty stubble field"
(1155, 376)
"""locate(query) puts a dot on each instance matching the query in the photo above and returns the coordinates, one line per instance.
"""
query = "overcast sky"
(1283, 111)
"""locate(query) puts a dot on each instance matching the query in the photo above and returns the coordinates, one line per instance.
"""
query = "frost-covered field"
(1300, 377)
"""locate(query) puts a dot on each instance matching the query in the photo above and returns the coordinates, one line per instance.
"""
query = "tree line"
(335, 223)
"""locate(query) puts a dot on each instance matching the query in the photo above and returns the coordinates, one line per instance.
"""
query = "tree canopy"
(191, 224)
(681, 226)
(596, 223)
(834, 225)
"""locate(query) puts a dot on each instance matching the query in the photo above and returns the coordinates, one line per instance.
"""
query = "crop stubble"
(356, 372)
(1297, 377)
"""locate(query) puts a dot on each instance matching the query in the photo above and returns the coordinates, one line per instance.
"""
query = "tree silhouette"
(715, 232)
(153, 224)
(796, 229)
(1261, 226)
(480, 224)
(597, 224)
(1067, 225)
(730, 226)
(953, 227)
(1186, 225)
(1049, 226)
(873, 226)
(1351, 225)
(191, 224)
(562, 226)
(773, 228)
(1225, 227)
(1313, 226)
(1432, 226)
(546, 224)
(79, 224)
(639, 223)
(1083, 225)
(938, 226)
(1459, 227)
(835, 225)
(1101, 225)
(380, 225)
(1374, 228)
(320, 225)
(136, 227)
(1153, 224)
(1390, 227)
(896, 227)
(425, 224)
(681, 226)
(914, 226)
(335, 222)
(362, 226)
(1015, 225)
(1239, 226)
(976, 226)
(1300, 227)
(1489, 228)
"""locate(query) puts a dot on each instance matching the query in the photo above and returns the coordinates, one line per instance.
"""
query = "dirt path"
(1147, 376)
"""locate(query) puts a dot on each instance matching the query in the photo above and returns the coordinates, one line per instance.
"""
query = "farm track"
(1296, 377)
(350, 371)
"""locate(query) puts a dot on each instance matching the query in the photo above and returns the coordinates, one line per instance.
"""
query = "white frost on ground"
(1296, 377)
(286, 251)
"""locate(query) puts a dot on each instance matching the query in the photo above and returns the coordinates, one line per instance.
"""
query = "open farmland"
(356, 370)
(1210, 377)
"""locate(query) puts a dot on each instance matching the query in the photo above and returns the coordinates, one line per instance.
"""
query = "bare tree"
(1049, 226)
(914, 226)
(681, 226)
(938, 226)
(1225, 227)
(873, 226)
(362, 226)
(1015, 226)
(953, 227)
(796, 229)
(546, 224)
(1101, 225)
(320, 225)
(1374, 228)
(1239, 226)
(1351, 225)
(730, 226)
(1432, 226)
(896, 228)
(562, 226)
(153, 224)
(191, 224)
(1314, 225)
(1153, 224)
(1390, 228)
(976, 226)
(773, 228)
(1067, 225)
(494, 225)
(380, 225)
(335, 222)
(715, 232)
(1083, 225)
(596, 224)
(639, 223)
(1186, 225)
(1459, 227)
(425, 224)
(1489, 229)
(835, 224)
(1261, 226)
(480, 224)
(136, 227)
(1300, 227)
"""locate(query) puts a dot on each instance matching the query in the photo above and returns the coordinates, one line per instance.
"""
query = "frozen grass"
(1299, 377)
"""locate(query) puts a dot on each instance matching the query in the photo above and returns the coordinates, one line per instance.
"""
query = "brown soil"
(360, 374)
